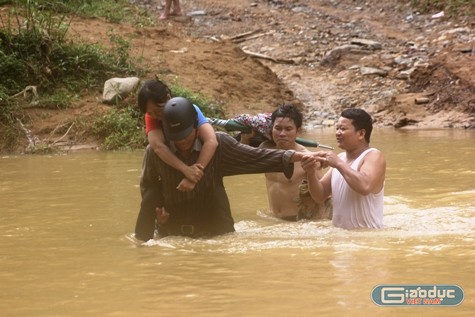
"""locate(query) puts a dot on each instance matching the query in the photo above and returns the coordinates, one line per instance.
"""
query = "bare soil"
(310, 53)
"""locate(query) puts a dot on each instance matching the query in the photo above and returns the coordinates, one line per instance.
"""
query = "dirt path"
(409, 57)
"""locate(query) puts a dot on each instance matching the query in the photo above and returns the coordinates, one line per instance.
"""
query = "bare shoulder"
(375, 154)
(375, 159)
(267, 145)
(300, 148)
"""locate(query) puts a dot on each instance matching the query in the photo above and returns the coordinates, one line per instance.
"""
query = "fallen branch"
(240, 40)
(52, 132)
(34, 92)
(32, 139)
(244, 34)
(64, 135)
(258, 55)
(24, 91)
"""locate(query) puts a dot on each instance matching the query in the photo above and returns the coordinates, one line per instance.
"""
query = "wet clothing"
(352, 210)
(290, 218)
(206, 209)
(154, 124)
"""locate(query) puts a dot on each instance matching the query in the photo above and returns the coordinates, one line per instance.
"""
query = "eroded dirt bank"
(407, 69)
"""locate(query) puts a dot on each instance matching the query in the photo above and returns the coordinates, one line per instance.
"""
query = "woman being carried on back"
(151, 99)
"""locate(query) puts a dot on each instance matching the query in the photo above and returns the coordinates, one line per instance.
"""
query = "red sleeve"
(151, 123)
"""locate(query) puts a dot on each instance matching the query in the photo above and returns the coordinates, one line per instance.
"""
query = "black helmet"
(179, 118)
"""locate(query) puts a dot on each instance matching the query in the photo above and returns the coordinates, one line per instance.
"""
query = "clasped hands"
(193, 175)
(321, 159)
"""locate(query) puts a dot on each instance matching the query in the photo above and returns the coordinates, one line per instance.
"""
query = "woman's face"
(155, 110)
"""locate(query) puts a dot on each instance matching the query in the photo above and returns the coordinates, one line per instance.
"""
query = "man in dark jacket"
(205, 211)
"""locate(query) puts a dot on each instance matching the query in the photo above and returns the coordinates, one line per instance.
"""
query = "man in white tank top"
(355, 180)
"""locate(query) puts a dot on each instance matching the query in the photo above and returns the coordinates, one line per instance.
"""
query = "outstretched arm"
(238, 158)
(320, 188)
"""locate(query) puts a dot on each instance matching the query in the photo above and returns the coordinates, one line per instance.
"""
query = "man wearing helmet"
(205, 211)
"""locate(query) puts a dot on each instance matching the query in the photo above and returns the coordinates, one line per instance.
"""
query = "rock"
(372, 71)
(299, 60)
(456, 30)
(301, 9)
(438, 15)
(381, 101)
(116, 89)
(328, 123)
(368, 43)
(196, 13)
(402, 61)
(467, 49)
(421, 100)
(404, 121)
(402, 75)
(335, 54)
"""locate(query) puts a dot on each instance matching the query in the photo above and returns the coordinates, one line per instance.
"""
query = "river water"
(66, 246)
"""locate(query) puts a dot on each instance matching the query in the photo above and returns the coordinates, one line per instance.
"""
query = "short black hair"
(288, 111)
(360, 120)
(153, 90)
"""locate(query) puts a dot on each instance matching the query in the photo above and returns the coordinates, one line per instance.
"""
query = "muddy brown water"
(66, 246)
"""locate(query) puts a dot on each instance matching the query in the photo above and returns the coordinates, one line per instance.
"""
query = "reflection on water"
(67, 248)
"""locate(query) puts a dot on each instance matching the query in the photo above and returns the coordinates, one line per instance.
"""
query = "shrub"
(451, 7)
(34, 51)
(209, 107)
(121, 129)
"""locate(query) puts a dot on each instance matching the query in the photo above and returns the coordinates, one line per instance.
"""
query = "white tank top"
(352, 210)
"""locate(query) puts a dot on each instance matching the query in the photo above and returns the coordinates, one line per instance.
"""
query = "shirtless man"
(283, 193)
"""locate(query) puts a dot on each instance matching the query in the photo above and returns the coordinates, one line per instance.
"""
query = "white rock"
(118, 88)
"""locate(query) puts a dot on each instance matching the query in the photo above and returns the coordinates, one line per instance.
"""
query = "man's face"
(284, 132)
(346, 134)
(186, 144)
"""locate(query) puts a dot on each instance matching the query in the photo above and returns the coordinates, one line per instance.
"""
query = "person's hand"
(162, 215)
(194, 172)
(308, 163)
(324, 158)
(186, 185)
(328, 158)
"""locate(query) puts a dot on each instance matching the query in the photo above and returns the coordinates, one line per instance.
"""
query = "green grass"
(451, 7)
(122, 128)
(209, 106)
(34, 51)
(112, 10)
